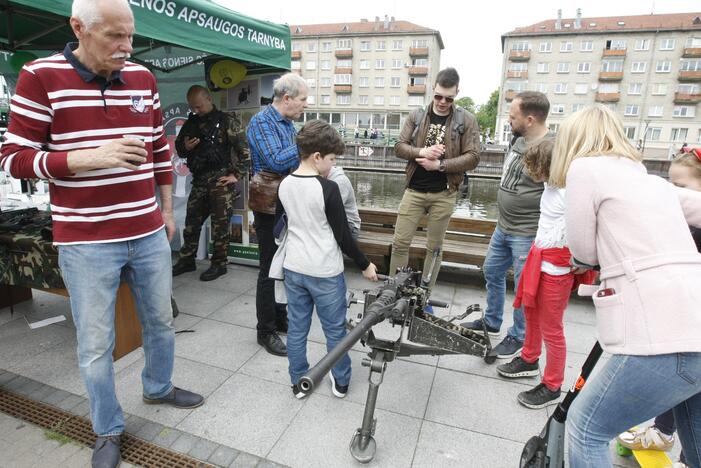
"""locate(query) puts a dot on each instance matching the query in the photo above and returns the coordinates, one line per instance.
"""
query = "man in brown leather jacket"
(440, 143)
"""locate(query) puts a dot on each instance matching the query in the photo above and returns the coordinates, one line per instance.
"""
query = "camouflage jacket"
(223, 144)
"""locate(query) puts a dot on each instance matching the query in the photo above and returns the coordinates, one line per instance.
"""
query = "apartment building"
(646, 68)
(368, 74)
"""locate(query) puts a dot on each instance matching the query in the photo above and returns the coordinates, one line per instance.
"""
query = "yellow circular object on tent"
(227, 73)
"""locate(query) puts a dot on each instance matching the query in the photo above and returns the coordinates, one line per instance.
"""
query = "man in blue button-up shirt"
(271, 139)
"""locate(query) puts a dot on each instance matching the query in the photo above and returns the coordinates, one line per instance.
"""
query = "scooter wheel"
(623, 451)
(490, 358)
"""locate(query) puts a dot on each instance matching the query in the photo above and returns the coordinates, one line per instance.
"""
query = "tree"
(487, 113)
(466, 103)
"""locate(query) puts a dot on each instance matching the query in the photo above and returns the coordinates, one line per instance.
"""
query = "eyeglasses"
(440, 98)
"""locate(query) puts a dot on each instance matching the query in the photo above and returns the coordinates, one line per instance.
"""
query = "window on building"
(638, 67)
(311, 82)
(325, 99)
(679, 134)
(379, 64)
(295, 65)
(518, 67)
(378, 100)
(296, 46)
(688, 88)
(396, 63)
(698, 140)
(542, 67)
(684, 111)
(419, 43)
(365, 64)
(563, 67)
(311, 100)
(667, 44)
(654, 111)
(635, 88)
(612, 65)
(609, 88)
(642, 44)
(631, 110)
(693, 43)
(342, 79)
(566, 46)
(344, 44)
(581, 88)
(553, 127)
(364, 119)
(397, 45)
(380, 45)
(663, 66)
(395, 82)
(541, 87)
(613, 106)
(394, 100)
(586, 46)
(630, 132)
(365, 46)
(545, 47)
(415, 101)
(521, 46)
(325, 82)
(311, 65)
(379, 82)
(345, 63)
(417, 80)
(326, 47)
(690, 65)
(557, 109)
(363, 99)
(584, 67)
(653, 133)
(363, 82)
(560, 88)
(615, 44)
(577, 107)
(659, 89)
(311, 46)
(419, 62)
(325, 64)
(343, 99)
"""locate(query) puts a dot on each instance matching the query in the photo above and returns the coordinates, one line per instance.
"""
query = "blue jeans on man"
(329, 296)
(628, 391)
(92, 274)
(505, 251)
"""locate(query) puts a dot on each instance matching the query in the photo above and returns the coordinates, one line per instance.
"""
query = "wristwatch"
(441, 165)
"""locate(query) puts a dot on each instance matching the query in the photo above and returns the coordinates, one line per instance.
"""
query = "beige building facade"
(368, 74)
(645, 68)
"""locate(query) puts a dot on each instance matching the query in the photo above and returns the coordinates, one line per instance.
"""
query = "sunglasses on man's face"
(439, 98)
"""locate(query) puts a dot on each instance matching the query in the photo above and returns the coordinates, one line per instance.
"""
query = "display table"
(29, 261)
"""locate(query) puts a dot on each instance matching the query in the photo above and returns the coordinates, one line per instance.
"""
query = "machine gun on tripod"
(401, 301)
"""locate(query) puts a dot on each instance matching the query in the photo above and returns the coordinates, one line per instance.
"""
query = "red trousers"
(544, 324)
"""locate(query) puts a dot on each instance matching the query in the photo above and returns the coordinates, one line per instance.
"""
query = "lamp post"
(647, 124)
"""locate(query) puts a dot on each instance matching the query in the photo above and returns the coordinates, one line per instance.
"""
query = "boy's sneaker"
(297, 392)
(338, 390)
(539, 396)
(428, 309)
(518, 368)
(646, 438)
(508, 348)
(476, 325)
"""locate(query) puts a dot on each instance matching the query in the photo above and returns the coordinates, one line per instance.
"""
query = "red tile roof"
(361, 28)
(673, 21)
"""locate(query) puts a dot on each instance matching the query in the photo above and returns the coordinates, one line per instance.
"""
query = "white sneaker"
(646, 438)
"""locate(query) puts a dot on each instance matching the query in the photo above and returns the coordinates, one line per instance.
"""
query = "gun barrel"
(375, 313)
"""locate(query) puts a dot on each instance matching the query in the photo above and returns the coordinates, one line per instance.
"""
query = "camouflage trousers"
(208, 198)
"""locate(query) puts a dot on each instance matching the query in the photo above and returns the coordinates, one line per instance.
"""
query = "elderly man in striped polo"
(90, 121)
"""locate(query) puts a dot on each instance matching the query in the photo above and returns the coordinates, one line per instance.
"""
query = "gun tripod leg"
(363, 445)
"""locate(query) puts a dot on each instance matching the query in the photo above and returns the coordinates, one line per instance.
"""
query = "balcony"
(610, 76)
(510, 94)
(418, 71)
(691, 52)
(614, 53)
(296, 54)
(343, 70)
(418, 51)
(517, 74)
(343, 88)
(608, 97)
(684, 98)
(416, 89)
(344, 53)
(690, 76)
(520, 55)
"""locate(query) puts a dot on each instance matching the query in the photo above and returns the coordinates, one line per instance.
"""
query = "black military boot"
(214, 272)
(183, 265)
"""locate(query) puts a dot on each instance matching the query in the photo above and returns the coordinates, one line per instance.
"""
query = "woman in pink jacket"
(648, 307)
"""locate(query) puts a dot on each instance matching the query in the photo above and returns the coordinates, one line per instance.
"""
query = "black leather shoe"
(183, 266)
(213, 272)
(179, 398)
(105, 453)
(273, 344)
(281, 326)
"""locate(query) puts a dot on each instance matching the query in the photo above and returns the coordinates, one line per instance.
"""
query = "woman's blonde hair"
(692, 159)
(593, 131)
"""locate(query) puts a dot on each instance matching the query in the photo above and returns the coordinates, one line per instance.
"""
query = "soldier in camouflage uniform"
(215, 146)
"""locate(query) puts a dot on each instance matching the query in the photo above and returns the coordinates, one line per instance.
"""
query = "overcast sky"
(471, 34)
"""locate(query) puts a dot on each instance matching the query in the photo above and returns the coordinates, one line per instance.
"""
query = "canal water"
(378, 190)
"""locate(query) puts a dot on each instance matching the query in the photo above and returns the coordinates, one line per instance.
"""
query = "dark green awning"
(195, 24)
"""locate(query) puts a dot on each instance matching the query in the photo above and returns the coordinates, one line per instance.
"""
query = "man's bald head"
(200, 100)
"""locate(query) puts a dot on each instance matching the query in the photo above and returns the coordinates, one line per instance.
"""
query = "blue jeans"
(505, 250)
(92, 273)
(630, 390)
(329, 296)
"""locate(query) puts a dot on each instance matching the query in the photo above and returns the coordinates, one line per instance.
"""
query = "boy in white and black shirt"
(317, 235)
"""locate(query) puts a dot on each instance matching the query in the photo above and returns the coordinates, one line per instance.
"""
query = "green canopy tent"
(193, 24)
